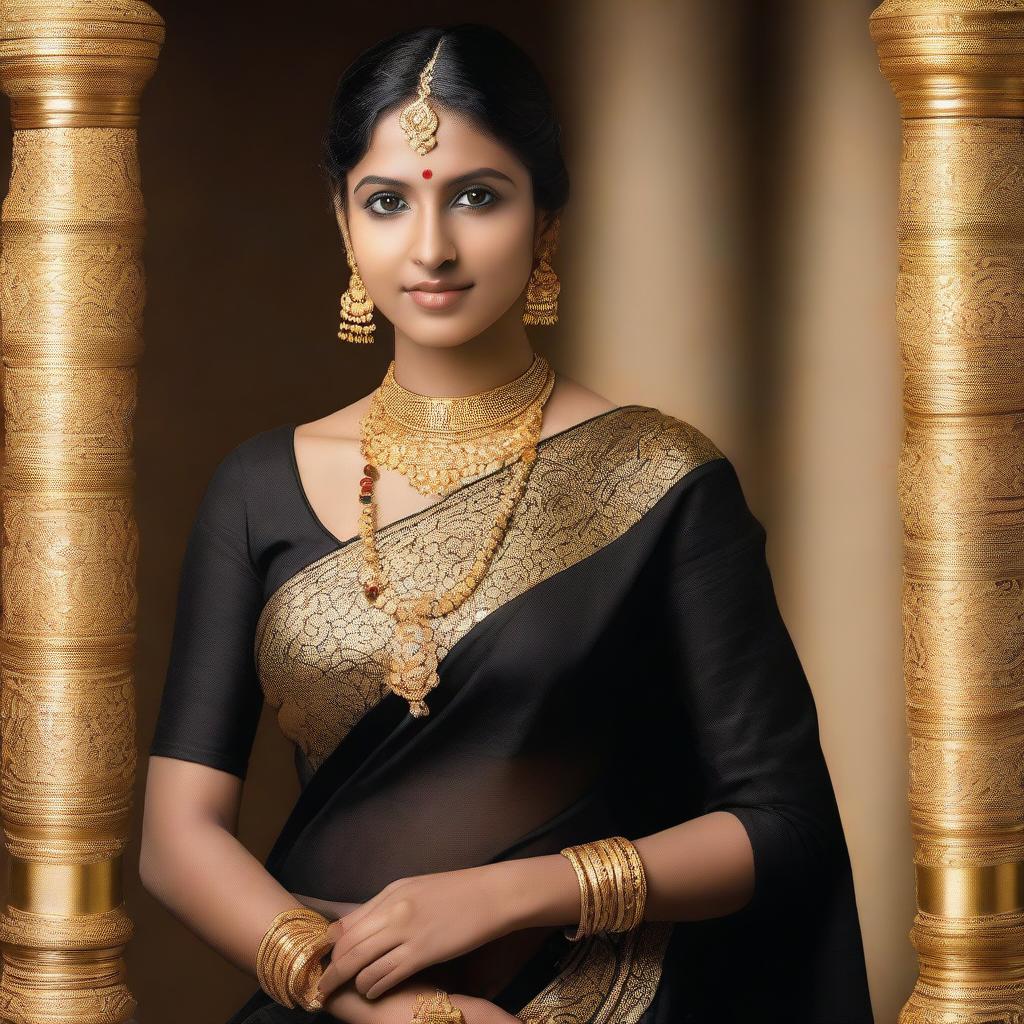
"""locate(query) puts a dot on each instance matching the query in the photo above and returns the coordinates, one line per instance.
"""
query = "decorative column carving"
(71, 299)
(958, 70)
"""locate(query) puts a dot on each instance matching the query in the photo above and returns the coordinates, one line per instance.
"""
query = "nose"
(433, 244)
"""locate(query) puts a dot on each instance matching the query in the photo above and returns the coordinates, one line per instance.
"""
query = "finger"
(344, 966)
(347, 939)
(356, 914)
(387, 972)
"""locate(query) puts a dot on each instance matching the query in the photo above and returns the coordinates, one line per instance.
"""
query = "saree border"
(631, 470)
(608, 978)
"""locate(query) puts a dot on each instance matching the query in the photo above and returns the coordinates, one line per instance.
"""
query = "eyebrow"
(480, 172)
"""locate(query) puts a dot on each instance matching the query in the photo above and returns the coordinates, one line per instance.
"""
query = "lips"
(433, 295)
(436, 286)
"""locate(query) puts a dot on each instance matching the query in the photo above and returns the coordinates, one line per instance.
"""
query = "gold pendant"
(414, 659)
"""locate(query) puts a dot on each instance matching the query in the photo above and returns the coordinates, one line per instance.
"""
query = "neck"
(494, 357)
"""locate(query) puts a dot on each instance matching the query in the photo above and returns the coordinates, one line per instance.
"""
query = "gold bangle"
(288, 960)
(584, 927)
(637, 889)
(616, 868)
(613, 886)
(601, 880)
(436, 1009)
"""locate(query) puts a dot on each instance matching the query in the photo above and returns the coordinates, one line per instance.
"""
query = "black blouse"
(623, 666)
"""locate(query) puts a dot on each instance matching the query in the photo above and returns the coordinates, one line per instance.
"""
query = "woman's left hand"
(418, 921)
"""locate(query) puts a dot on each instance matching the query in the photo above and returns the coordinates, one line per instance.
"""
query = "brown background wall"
(734, 163)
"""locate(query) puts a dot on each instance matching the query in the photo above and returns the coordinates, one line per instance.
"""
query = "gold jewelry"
(543, 287)
(613, 886)
(288, 961)
(356, 323)
(419, 119)
(413, 662)
(635, 894)
(436, 1009)
(587, 895)
(439, 443)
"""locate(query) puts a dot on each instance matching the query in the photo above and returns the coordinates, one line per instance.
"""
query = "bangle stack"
(613, 886)
(288, 961)
(436, 1009)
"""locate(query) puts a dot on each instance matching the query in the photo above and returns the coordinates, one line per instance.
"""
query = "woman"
(599, 652)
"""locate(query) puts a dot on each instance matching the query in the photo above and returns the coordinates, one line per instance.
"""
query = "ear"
(542, 225)
(340, 217)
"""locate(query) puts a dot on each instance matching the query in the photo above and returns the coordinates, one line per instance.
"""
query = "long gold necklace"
(412, 669)
(439, 443)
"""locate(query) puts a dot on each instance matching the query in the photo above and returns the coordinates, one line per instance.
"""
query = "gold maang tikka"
(419, 119)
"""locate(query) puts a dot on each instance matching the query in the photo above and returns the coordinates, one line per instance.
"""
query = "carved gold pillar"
(71, 298)
(958, 70)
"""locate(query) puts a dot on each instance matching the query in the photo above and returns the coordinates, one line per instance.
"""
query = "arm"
(190, 858)
(193, 863)
(734, 686)
(718, 880)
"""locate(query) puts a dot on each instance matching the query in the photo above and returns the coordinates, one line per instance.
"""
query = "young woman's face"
(462, 217)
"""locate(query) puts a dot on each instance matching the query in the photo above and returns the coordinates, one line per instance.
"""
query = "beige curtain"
(734, 262)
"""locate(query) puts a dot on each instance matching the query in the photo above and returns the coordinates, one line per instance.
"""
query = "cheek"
(500, 255)
(381, 255)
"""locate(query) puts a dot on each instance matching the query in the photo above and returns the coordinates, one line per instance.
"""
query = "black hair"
(479, 72)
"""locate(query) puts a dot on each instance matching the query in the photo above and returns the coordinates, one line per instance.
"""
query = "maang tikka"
(419, 119)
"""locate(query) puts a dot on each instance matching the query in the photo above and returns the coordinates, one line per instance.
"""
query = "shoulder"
(631, 431)
(665, 445)
(628, 458)
(244, 467)
(660, 459)
(252, 469)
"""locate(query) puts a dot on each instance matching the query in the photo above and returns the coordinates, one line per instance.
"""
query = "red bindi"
(428, 173)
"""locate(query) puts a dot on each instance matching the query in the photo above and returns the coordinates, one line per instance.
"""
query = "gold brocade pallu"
(621, 668)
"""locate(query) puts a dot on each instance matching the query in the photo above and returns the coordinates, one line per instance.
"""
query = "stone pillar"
(957, 69)
(71, 299)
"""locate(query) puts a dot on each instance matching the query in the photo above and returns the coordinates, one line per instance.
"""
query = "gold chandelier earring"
(356, 323)
(543, 287)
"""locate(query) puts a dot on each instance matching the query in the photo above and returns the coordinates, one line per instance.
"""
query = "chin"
(441, 333)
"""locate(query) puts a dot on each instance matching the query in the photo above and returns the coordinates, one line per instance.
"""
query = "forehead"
(461, 142)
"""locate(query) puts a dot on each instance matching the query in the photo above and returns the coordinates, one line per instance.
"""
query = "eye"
(476, 192)
(383, 197)
(390, 200)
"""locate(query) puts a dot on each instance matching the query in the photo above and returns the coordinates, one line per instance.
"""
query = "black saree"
(622, 667)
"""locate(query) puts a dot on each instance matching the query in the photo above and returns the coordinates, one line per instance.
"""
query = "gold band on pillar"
(971, 891)
(71, 238)
(958, 71)
(64, 888)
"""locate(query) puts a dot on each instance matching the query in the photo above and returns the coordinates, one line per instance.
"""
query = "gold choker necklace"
(440, 443)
